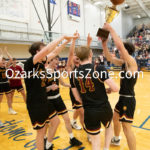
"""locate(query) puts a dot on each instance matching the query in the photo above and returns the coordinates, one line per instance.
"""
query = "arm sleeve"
(103, 73)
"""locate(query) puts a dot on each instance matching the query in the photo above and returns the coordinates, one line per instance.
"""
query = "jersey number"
(88, 84)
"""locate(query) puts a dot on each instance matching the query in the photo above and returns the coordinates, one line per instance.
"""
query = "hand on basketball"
(54, 87)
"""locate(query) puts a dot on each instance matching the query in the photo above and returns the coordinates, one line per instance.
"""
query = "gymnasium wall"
(17, 50)
(127, 24)
(92, 17)
(142, 21)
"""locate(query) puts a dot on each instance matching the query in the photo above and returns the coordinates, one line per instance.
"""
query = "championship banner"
(53, 2)
(73, 10)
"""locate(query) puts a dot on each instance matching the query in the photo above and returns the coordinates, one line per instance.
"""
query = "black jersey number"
(88, 84)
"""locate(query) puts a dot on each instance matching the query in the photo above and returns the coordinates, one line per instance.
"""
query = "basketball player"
(55, 99)
(35, 85)
(4, 83)
(89, 87)
(72, 63)
(15, 83)
(124, 109)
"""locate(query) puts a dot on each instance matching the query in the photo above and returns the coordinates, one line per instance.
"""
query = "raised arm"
(9, 57)
(120, 46)
(89, 40)
(57, 50)
(108, 55)
(71, 52)
(48, 49)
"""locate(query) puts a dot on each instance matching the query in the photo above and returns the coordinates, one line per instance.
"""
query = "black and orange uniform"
(127, 102)
(54, 98)
(36, 94)
(96, 106)
(4, 83)
(75, 103)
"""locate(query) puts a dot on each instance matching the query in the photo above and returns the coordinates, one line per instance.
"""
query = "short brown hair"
(83, 52)
(14, 59)
(129, 47)
(3, 58)
(35, 47)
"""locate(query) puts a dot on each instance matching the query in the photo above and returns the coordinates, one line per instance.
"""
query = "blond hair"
(83, 52)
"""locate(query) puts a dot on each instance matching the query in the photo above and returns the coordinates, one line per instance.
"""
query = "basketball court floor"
(19, 135)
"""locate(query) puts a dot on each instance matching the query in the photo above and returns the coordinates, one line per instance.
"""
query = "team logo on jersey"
(125, 108)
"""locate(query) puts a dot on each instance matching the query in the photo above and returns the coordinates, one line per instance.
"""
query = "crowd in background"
(140, 37)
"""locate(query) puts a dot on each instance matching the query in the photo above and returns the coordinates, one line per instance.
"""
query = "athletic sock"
(71, 135)
(74, 121)
(48, 144)
(117, 138)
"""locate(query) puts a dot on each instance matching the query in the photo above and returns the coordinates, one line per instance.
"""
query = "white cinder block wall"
(92, 17)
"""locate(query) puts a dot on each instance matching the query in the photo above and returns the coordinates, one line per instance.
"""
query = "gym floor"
(19, 135)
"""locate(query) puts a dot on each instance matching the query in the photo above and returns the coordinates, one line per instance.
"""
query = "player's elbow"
(119, 45)
(115, 88)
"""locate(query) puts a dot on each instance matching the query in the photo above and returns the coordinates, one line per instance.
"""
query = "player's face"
(54, 63)
(14, 62)
(76, 60)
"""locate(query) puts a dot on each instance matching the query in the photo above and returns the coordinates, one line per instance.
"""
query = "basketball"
(117, 2)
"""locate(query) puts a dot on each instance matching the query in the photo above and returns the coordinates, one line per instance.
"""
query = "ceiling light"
(126, 6)
(138, 16)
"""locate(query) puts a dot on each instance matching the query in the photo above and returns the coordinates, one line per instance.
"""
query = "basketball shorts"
(5, 88)
(40, 114)
(59, 105)
(18, 88)
(126, 108)
(95, 116)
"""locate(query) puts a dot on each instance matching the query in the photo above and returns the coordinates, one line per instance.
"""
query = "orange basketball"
(117, 2)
